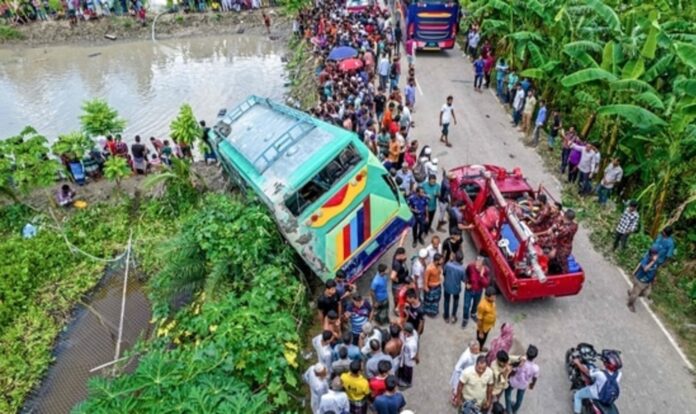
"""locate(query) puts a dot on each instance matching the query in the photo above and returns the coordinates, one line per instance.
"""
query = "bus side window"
(323, 181)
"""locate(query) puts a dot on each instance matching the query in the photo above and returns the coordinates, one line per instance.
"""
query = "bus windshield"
(324, 180)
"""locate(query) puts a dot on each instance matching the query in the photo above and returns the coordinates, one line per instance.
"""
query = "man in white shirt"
(588, 166)
(383, 70)
(518, 105)
(409, 356)
(335, 400)
(612, 175)
(418, 270)
(316, 377)
(322, 347)
(446, 117)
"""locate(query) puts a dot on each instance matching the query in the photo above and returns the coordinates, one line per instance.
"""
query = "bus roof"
(277, 141)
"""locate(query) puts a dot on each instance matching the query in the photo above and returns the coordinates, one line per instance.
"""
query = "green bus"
(331, 197)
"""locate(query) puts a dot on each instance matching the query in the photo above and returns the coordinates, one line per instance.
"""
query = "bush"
(10, 33)
(233, 349)
(40, 281)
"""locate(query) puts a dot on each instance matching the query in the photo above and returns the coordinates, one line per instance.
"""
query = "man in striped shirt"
(628, 223)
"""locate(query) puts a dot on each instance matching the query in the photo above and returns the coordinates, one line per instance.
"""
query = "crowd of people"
(26, 11)
(74, 10)
(370, 346)
(140, 157)
(368, 350)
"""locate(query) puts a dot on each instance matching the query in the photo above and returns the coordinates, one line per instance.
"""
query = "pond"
(145, 81)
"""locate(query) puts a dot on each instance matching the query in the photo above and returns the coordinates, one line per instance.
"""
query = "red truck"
(490, 198)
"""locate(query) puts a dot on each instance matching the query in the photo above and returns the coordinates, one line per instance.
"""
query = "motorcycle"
(588, 356)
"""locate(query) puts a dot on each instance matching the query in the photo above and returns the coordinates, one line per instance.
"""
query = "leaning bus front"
(432, 24)
(359, 221)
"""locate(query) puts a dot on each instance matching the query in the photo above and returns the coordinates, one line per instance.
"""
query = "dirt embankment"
(104, 30)
(301, 66)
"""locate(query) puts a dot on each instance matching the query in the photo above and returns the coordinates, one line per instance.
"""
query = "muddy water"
(146, 82)
(90, 341)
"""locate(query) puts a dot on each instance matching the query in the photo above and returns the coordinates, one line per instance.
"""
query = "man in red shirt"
(401, 297)
(378, 383)
(477, 280)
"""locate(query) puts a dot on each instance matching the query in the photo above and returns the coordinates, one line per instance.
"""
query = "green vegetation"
(302, 74)
(73, 145)
(24, 163)
(9, 33)
(99, 119)
(232, 348)
(235, 347)
(185, 128)
(41, 279)
(623, 73)
(116, 169)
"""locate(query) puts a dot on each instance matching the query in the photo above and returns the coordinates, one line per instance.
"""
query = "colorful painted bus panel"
(332, 199)
(433, 24)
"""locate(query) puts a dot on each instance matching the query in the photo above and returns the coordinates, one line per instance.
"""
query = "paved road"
(655, 378)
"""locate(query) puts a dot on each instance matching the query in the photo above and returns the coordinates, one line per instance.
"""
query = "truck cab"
(497, 202)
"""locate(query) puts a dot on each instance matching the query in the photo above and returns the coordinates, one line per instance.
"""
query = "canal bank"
(115, 29)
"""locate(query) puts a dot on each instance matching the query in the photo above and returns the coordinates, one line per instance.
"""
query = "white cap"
(427, 151)
(434, 161)
(423, 253)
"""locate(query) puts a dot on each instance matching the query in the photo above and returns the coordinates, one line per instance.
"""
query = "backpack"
(610, 391)
(419, 171)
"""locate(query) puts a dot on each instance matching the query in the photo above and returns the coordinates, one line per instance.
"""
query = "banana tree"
(669, 159)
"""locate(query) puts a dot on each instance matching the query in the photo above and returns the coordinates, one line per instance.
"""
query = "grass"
(9, 33)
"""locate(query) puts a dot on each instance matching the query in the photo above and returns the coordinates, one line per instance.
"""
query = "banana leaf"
(687, 53)
(639, 117)
(587, 75)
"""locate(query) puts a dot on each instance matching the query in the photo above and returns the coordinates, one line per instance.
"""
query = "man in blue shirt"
(358, 312)
(540, 121)
(644, 277)
(410, 93)
(418, 202)
(455, 274)
(664, 244)
(432, 190)
(380, 294)
(526, 84)
(392, 401)
(500, 70)
(478, 73)
(408, 181)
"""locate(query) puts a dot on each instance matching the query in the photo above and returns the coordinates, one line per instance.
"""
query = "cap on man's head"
(367, 328)
(423, 253)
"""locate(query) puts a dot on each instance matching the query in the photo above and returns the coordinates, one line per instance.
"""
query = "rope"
(123, 298)
(74, 249)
